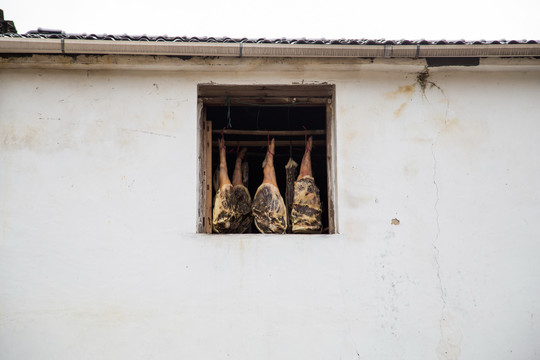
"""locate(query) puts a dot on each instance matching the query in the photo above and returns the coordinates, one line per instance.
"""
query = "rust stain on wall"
(421, 140)
(401, 92)
(19, 138)
(406, 90)
(410, 170)
(350, 136)
(398, 112)
(453, 125)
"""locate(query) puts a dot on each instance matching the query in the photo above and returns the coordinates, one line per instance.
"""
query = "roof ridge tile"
(41, 33)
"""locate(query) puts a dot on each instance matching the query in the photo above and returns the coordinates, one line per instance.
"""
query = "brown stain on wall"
(401, 92)
(471, 136)
(410, 170)
(15, 138)
(398, 112)
(407, 90)
(421, 140)
(350, 136)
(453, 125)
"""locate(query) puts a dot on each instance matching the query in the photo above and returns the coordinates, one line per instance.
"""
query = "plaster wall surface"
(99, 257)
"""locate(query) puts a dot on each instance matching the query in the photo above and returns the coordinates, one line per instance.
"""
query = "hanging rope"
(237, 150)
(305, 138)
(268, 138)
(223, 138)
(228, 103)
(289, 128)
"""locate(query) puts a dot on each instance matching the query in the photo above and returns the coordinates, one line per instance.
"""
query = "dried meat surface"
(306, 209)
(232, 210)
(222, 214)
(269, 211)
(291, 172)
(242, 209)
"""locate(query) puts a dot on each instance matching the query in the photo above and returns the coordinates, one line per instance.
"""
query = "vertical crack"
(436, 251)
(438, 231)
(424, 82)
(450, 336)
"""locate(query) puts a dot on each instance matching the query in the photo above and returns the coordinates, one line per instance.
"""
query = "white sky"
(331, 19)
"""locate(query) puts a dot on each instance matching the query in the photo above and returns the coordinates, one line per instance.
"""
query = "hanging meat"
(291, 172)
(232, 204)
(269, 211)
(306, 209)
(242, 199)
(245, 173)
(245, 176)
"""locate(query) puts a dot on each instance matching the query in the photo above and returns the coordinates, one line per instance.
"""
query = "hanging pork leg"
(306, 209)
(241, 198)
(291, 172)
(245, 173)
(222, 214)
(232, 204)
(269, 211)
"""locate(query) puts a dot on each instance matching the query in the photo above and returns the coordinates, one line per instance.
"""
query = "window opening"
(250, 121)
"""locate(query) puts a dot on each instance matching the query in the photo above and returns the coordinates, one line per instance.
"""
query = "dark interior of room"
(258, 121)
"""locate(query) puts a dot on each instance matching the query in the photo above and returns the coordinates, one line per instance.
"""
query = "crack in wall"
(444, 344)
(344, 312)
(436, 253)
(148, 132)
(449, 346)
(438, 232)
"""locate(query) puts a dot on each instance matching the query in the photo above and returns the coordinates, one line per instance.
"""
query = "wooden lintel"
(278, 143)
(271, 132)
(208, 180)
(258, 101)
(269, 90)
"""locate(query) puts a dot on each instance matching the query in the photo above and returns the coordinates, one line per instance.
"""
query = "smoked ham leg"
(242, 199)
(269, 211)
(232, 204)
(291, 172)
(306, 209)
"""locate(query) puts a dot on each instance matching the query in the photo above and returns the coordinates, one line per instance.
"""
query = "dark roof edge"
(41, 33)
(66, 45)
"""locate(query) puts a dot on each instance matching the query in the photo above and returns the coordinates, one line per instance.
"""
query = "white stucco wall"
(99, 258)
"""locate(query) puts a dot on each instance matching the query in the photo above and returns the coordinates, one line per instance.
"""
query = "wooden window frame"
(213, 94)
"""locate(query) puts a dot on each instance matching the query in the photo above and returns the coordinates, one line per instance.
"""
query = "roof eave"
(108, 47)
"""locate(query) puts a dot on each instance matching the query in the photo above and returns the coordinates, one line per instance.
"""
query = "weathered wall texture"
(99, 258)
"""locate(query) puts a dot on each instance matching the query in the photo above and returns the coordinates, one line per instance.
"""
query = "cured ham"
(269, 211)
(291, 172)
(242, 199)
(232, 204)
(245, 173)
(306, 208)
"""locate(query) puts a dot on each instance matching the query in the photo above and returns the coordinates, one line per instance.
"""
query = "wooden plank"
(201, 208)
(276, 90)
(271, 132)
(278, 143)
(208, 182)
(331, 168)
(264, 100)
